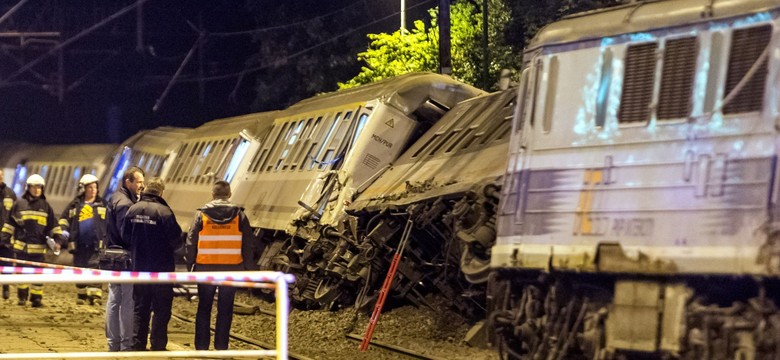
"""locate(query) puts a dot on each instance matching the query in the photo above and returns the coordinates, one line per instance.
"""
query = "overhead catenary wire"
(301, 52)
(73, 39)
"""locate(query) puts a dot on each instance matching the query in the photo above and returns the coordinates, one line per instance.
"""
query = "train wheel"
(327, 291)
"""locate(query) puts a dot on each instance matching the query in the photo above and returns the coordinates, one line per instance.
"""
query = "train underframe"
(613, 316)
(447, 252)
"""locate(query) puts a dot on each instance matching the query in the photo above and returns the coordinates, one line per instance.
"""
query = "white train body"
(641, 151)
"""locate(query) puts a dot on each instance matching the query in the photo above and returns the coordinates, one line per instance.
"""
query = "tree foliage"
(417, 49)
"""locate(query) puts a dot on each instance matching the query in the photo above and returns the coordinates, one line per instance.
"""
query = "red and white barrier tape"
(48, 273)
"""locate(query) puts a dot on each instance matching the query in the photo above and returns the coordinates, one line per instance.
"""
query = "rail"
(58, 274)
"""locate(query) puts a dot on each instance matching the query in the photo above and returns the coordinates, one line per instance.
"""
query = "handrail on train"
(53, 274)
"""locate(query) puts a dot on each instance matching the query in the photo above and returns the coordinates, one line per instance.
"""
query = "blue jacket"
(153, 233)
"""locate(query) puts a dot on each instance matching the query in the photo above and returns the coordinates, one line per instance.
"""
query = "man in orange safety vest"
(220, 239)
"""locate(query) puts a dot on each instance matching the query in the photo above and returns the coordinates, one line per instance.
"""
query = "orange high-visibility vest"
(219, 243)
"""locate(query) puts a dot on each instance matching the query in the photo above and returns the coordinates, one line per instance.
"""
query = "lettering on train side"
(595, 225)
(633, 227)
(381, 140)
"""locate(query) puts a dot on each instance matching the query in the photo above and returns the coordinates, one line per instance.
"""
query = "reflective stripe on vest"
(219, 243)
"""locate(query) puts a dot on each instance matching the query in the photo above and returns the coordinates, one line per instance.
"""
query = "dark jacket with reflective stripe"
(30, 221)
(153, 233)
(69, 221)
(221, 212)
(8, 198)
(121, 200)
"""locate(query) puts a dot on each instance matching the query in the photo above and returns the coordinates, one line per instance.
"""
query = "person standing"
(220, 239)
(85, 220)
(30, 222)
(153, 233)
(8, 198)
(119, 307)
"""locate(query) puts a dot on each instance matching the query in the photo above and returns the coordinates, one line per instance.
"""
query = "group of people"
(136, 220)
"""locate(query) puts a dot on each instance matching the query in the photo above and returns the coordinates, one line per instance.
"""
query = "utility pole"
(403, 17)
(445, 56)
(485, 50)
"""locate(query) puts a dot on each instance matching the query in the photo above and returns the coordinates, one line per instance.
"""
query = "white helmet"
(36, 179)
(88, 179)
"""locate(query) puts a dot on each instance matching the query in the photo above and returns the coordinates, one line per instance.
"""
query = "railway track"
(246, 309)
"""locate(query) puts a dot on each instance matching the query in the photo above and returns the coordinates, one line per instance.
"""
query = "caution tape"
(49, 273)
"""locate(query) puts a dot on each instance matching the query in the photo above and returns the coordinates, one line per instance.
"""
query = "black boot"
(22, 294)
(6, 292)
(36, 300)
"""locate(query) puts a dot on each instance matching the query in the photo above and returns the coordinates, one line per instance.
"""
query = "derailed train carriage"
(639, 211)
(318, 156)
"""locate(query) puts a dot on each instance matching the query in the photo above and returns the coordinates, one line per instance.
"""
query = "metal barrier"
(60, 274)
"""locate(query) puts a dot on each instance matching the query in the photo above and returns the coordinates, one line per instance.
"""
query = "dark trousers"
(224, 316)
(35, 292)
(85, 258)
(148, 299)
(6, 253)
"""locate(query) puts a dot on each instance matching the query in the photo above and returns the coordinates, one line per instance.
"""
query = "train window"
(325, 142)
(291, 142)
(361, 124)
(748, 47)
(638, 81)
(76, 174)
(70, 182)
(235, 160)
(52, 181)
(195, 174)
(549, 101)
(677, 77)
(43, 171)
(602, 97)
(268, 163)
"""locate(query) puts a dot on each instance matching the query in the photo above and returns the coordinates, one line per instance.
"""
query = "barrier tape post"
(50, 273)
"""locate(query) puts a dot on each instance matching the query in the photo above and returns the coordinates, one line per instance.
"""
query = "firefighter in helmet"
(30, 222)
(84, 221)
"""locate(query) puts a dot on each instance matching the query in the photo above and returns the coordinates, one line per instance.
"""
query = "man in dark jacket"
(119, 307)
(8, 198)
(154, 235)
(30, 222)
(220, 239)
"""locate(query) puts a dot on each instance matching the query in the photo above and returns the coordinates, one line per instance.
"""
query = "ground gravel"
(320, 334)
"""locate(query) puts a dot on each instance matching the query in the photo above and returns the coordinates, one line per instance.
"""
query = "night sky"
(111, 84)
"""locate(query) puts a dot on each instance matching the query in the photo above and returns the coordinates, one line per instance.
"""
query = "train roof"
(402, 92)
(254, 123)
(643, 16)
(159, 140)
(12, 152)
(83, 153)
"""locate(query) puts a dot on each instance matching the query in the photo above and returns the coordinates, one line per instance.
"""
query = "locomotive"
(638, 214)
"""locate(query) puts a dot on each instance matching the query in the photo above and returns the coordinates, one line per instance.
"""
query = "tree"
(417, 50)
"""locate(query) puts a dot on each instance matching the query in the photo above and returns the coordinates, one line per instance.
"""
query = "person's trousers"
(119, 317)
(85, 258)
(9, 254)
(148, 298)
(224, 316)
(35, 292)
